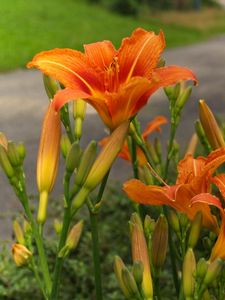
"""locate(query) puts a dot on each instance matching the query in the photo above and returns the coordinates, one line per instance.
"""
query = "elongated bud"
(79, 110)
(146, 174)
(21, 151)
(160, 242)
(213, 271)
(5, 163)
(72, 239)
(51, 86)
(210, 126)
(130, 283)
(13, 155)
(140, 254)
(137, 271)
(201, 268)
(58, 226)
(202, 137)
(3, 140)
(183, 98)
(86, 162)
(174, 221)
(18, 231)
(27, 227)
(103, 163)
(183, 220)
(118, 267)
(65, 145)
(48, 157)
(21, 255)
(194, 234)
(189, 267)
(73, 157)
(153, 153)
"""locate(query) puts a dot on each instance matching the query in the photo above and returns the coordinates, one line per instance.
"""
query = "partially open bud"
(189, 267)
(79, 109)
(118, 267)
(13, 155)
(48, 157)
(210, 126)
(140, 254)
(51, 86)
(103, 163)
(3, 140)
(73, 157)
(72, 239)
(194, 234)
(5, 163)
(18, 231)
(160, 242)
(21, 255)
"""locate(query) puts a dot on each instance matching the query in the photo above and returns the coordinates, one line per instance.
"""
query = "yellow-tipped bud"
(201, 268)
(210, 126)
(103, 163)
(195, 230)
(79, 109)
(51, 86)
(48, 157)
(72, 239)
(213, 271)
(189, 267)
(57, 226)
(118, 267)
(5, 163)
(137, 271)
(3, 140)
(140, 254)
(73, 157)
(160, 242)
(65, 145)
(18, 231)
(13, 155)
(174, 221)
(21, 255)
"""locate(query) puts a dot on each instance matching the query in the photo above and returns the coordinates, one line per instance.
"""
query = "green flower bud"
(202, 137)
(51, 86)
(18, 231)
(174, 221)
(195, 230)
(65, 145)
(183, 98)
(73, 157)
(189, 267)
(130, 283)
(58, 226)
(21, 151)
(149, 225)
(79, 109)
(201, 268)
(137, 271)
(13, 155)
(5, 163)
(118, 267)
(213, 271)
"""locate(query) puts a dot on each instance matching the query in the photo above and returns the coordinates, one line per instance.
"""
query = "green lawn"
(29, 26)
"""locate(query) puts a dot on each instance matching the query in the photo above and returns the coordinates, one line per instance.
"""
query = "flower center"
(112, 76)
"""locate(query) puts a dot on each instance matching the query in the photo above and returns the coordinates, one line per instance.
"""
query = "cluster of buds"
(137, 283)
(11, 160)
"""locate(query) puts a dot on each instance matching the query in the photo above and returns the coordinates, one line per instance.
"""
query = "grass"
(27, 27)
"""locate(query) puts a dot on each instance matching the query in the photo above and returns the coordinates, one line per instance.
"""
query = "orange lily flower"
(194, 177)
(117, 83)
(152, 126)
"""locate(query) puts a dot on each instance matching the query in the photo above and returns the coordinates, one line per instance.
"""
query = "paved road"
(23, 102)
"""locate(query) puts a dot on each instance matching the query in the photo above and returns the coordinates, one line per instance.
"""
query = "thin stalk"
(38, 279)
(96, 256)
(169, 149)
(133, 152)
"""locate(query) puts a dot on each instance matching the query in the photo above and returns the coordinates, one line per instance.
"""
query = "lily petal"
(154, 125)
(139, 54)
(70, 67)
(219, 181)
(100, 54)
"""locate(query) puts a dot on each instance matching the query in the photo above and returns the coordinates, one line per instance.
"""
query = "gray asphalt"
(23, 103)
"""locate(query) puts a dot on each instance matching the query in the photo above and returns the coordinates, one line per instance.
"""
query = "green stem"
(169, 149)
(38, 279)
(133, 153)
(96, 256)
